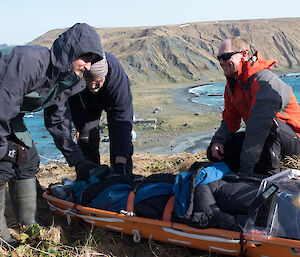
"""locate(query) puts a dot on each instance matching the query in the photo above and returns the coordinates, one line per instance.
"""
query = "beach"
(190, 143)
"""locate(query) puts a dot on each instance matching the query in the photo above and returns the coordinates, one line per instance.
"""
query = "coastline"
(173, 143)
(196, 141)
(183, 98)
(168, 140)
(189, 143)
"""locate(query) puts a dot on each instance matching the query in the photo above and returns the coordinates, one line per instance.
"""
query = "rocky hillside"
(187, 52)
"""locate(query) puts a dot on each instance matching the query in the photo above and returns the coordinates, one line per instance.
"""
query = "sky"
(24, 20)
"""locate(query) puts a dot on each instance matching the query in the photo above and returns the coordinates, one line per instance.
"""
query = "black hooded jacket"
(34, 68)
(116, 100)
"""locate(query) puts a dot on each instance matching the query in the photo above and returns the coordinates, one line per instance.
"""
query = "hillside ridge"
(187, 52)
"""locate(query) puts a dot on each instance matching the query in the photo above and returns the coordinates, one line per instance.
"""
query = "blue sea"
(41, 137)
(207, 94)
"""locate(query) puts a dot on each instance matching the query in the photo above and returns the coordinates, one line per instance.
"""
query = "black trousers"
(281, 141)
(89, 134)
(89, 140)
(9, 171)
(223, 204)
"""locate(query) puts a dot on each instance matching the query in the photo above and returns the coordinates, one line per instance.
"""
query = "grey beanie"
(98, 69)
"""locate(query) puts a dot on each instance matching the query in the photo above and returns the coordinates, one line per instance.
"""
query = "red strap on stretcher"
(168, 209)
(71, 197)
(130, 201)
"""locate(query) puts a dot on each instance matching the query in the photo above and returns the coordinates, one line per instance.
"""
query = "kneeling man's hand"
(217, 151)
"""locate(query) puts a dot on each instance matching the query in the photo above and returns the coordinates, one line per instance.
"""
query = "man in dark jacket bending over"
(107, 88)
(31, 77)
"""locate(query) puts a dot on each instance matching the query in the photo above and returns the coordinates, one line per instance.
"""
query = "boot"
(4, 232)
(23, 195)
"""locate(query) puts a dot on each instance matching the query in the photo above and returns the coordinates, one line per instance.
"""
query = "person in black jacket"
(108, 89)
(31, 78)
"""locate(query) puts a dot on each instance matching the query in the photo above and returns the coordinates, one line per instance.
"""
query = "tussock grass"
(88, 241)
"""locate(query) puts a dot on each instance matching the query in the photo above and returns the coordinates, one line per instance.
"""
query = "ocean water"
(207, 94)
(212, 94)
(41, 137)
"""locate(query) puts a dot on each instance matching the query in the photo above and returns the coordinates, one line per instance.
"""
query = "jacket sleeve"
(58, 121)
(20, 72)
(266, 102)
(120, 121)
(230, 123)
(222, 134)
(120, 110)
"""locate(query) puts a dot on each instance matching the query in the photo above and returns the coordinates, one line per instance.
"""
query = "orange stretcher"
(210, 239)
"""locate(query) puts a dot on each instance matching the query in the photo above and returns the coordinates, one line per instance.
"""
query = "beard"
(94, 90)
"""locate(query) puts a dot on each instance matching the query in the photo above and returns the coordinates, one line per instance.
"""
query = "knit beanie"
(98, 69)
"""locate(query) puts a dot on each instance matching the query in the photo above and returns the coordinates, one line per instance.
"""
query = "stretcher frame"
(210, 239)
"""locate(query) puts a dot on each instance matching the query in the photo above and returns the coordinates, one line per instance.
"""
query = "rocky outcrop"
(187, 52)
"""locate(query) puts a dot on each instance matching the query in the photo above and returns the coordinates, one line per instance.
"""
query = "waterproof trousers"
(23, 191)
(282, 141)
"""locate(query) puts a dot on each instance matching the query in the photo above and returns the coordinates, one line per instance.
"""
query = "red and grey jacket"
(258, 97)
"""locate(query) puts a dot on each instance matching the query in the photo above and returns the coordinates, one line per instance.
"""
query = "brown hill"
(187, 52)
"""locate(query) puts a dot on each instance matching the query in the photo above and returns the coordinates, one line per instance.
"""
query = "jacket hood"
(255, 64)
(76, 41)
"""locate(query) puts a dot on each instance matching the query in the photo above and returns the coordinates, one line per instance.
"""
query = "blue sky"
(24, 20)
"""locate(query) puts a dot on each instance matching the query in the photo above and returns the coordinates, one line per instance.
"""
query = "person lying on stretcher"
(199, 197)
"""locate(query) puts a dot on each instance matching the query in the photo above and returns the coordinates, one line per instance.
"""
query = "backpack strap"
(130, 201)
(167, 215)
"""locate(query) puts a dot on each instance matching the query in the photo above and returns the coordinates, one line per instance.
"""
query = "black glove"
(100, 172)
(16, 153)
(83, 169)
(119, 168)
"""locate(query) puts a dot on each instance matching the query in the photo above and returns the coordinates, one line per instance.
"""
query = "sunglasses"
(227, 56)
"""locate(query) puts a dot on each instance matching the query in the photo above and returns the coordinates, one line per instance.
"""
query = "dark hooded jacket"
(28, 69)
